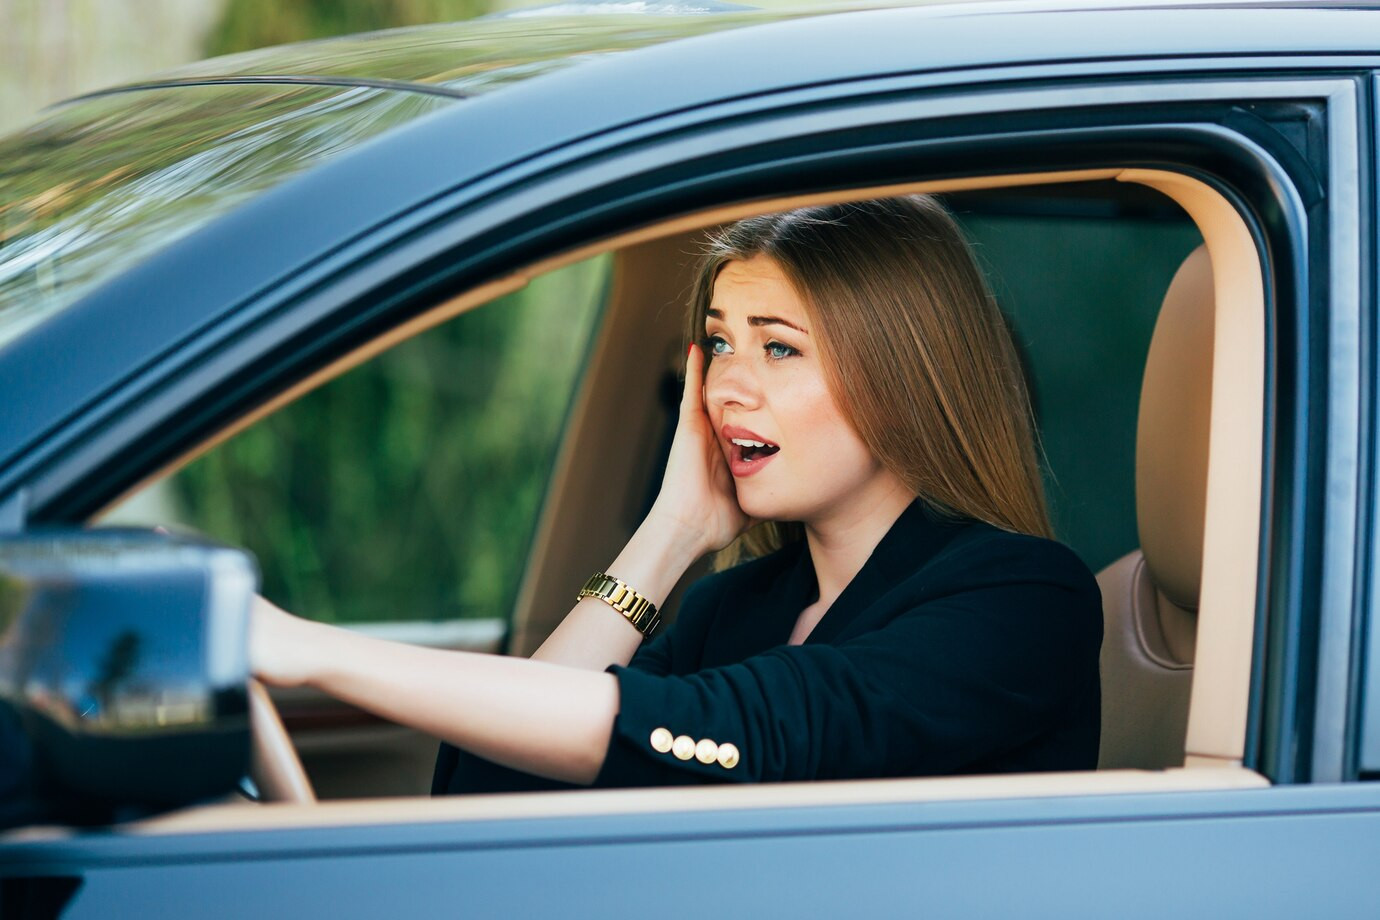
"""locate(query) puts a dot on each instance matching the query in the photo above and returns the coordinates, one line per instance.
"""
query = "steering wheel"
(274, 765)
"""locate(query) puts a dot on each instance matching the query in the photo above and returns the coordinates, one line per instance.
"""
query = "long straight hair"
(914, 350)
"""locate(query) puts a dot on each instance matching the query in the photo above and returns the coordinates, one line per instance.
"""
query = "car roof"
(409, 167)
(464, 58)
(461, 59)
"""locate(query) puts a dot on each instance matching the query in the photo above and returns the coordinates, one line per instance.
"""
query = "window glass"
(408, 489)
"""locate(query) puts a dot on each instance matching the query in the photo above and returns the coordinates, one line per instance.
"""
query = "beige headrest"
(1172, 434)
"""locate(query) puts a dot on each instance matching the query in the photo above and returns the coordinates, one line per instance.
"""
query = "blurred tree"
(249, 24)
(50, 51)
(409, 488)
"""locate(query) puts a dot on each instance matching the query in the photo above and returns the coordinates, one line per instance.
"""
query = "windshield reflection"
(104, 183)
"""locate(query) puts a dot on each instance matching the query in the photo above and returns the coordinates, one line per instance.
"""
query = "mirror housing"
(123, 674)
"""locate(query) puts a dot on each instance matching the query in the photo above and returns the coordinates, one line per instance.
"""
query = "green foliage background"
(407, 489)
(249, 24)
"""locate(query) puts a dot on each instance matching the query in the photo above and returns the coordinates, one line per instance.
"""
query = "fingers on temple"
(694, 368)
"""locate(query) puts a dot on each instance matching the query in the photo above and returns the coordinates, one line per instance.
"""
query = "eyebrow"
(760, 320)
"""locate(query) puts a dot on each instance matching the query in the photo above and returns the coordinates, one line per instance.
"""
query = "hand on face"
(697, 491)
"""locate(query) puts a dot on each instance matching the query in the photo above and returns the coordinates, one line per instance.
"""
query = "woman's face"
(765, 385)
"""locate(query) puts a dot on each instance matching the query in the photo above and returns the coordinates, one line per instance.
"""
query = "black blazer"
(958, 648)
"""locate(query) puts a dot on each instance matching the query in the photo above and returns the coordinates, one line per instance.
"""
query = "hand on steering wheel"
(274, 766)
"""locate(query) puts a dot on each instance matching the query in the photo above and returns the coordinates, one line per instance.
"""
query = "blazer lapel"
(760, 615)
(915, 537)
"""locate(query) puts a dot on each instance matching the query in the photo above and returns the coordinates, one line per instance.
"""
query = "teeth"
(745, 442)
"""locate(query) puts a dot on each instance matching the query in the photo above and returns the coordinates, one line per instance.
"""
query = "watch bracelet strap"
(641, 612)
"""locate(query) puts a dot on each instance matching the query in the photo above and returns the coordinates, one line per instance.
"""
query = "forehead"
(755, 287)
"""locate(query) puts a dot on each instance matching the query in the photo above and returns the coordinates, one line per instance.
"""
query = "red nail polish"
(690, 349)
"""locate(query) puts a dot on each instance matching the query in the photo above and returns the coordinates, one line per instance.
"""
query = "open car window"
(1079, 268)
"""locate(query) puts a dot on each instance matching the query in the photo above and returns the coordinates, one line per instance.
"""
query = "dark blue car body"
(1274, 104)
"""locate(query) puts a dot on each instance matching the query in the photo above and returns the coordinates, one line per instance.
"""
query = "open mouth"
(748, 451)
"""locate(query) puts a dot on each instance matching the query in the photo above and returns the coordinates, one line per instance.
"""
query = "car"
(1175, 202)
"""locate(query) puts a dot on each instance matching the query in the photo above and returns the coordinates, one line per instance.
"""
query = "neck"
(840, 543)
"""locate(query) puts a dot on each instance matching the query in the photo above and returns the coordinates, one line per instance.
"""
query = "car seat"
(1150, 595)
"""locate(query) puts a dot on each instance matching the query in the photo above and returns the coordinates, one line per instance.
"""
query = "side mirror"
(123, 669)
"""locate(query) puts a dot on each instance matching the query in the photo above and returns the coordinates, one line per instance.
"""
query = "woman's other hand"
(697, 490)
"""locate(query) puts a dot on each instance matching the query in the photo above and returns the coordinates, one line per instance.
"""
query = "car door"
(1270, 813)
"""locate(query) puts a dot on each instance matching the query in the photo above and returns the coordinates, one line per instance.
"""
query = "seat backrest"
(1150, 595)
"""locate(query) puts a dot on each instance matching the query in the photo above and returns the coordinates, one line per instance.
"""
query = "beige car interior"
(1150, 595)
(1180, 611)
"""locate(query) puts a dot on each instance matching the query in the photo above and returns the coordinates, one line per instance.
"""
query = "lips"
(749, 452)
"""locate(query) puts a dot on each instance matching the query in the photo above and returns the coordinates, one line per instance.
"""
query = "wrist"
(320, 651)
(656, 557)
(680, 542)
(305, 653)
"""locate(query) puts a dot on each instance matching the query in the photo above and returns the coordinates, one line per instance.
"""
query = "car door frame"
(1363, 755)
(1304, 630)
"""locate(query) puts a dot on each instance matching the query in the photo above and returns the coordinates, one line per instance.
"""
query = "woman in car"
(855, 434)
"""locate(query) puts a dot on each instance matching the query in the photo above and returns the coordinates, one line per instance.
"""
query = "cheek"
(811, 407)
(833, 442)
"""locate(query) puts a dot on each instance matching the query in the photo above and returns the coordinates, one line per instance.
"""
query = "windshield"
(104, 182)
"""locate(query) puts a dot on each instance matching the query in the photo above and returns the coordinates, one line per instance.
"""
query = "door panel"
(1277, 852)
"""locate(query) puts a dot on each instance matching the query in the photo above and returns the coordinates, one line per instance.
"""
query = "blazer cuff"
(656, 712)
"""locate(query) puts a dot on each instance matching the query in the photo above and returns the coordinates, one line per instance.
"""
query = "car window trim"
(1340, 603)
(1365, 672)
(1222, 700)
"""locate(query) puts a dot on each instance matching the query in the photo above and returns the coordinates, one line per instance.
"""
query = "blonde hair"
(913, 348)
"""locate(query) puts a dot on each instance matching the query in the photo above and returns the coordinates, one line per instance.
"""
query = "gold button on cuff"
(706, 751)
(683, 747)
(661, 740)
(728, 756)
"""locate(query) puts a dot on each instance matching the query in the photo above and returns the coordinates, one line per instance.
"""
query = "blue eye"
(715, 345)
(777, 351)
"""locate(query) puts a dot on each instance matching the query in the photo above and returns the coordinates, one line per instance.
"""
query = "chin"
(766, 507)
(757, 507)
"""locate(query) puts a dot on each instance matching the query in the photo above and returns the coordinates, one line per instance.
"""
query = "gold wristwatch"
(640, 612)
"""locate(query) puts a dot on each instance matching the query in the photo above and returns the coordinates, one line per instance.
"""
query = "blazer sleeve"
(965, 675)
(656, 656)
(459, 772)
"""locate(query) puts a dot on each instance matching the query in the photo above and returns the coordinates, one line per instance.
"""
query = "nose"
(731, 384)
